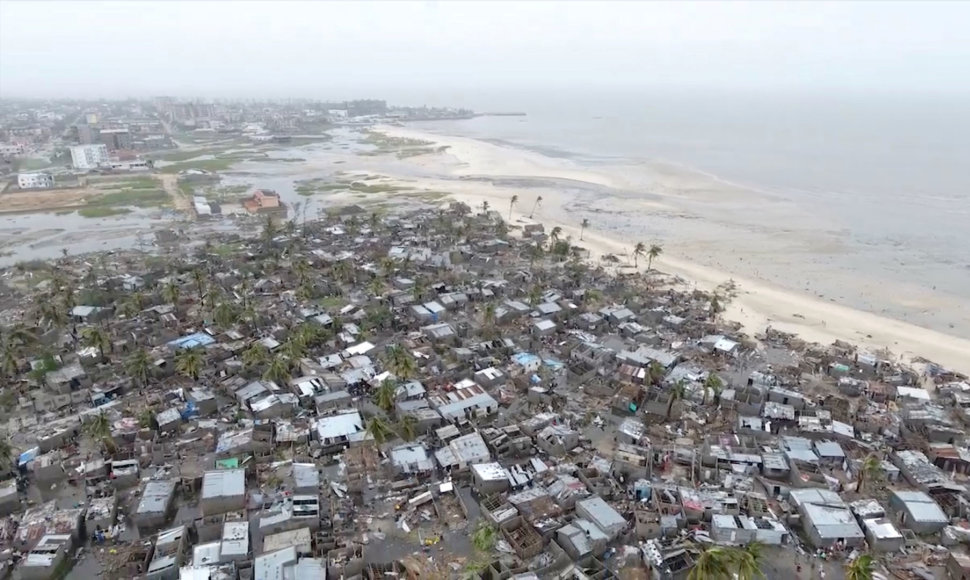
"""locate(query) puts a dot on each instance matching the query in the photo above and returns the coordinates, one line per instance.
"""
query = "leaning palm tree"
(534, 206)
(582, 228)
(8, 360)
(862, 568)
(714, 563)
(408, 427)
(189, 363)
(639, 250)
(96, 336)
(677, 392)
(554, 236)
(512, 202)
(225, 314)
(139, 367)
(384, 396)
(379, 430)
(98, 428)
(19, 334)
(652, 254)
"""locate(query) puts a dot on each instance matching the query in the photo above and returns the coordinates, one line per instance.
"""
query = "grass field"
(100, 212)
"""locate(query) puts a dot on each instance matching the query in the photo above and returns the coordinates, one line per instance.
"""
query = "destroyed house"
(464, 403)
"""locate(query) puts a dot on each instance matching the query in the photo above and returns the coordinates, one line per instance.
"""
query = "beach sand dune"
(759, 304)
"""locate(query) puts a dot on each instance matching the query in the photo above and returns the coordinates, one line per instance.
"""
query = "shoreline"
(758, 304)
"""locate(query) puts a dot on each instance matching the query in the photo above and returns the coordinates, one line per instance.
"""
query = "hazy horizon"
(454, 53)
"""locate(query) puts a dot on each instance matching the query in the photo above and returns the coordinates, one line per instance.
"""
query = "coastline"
(759, 303)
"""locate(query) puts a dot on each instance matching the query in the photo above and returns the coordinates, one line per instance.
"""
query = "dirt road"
(180, 201)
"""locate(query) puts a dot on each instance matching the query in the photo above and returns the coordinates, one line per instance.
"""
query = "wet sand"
(649, 209)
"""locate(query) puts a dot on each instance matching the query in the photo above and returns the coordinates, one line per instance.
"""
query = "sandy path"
(758, 305)
(180, 201)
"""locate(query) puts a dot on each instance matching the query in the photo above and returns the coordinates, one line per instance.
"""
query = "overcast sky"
(437, 51)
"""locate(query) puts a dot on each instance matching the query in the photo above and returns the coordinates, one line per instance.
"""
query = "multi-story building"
(89, 156)
(35, 181)
(115, 139)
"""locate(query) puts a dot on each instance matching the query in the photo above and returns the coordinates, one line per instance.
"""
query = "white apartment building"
(35, 180)
(89, 156)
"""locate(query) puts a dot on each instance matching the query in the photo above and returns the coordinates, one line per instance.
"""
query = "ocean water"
(887, 176)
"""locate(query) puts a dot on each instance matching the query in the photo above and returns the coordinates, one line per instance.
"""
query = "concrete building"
(41, 562)
(581, 539)
(490, 478)
(223, 490)
(917, 511)
(35, 180)
(155, 506)
(596, 510)
(882, 535)
(826, 525)
(89, 156)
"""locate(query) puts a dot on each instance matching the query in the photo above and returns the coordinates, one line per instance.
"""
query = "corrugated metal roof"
(224, 483)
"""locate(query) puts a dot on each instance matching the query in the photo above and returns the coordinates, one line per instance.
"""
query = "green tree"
(96, 336)
(639, 250)
(171, 292)
(20, 335)
(714, 385)
(379, 430)
(677, 392)
(652, 254)
(862, 568)
(225, 314)
(279, 370)
(8, 360)
(870, 469)
(53, 313)
(408, 427)
(139, 367)
(385, 395)
(98, 428)
(199, 278)
(582, 228)
(714, 563)
(554, 236)
(512, 202)
(488, 317)
(401, 363)
(189, 362)
(269, 230)
(146, 419)
(6, 453)
(484, 537)
(749, 560)
(255, 356)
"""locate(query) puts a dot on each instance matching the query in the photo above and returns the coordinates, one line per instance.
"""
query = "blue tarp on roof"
(525, 358)
(192, 341)
(28, 456)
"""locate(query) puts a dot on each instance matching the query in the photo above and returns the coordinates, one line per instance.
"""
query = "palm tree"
(376, 287)
(387, 267)
(870, 469)
(278, 370)
(269, 230)
(488, 316)
(6, 453)
(677, 392)
(408, 427)
(385, 395)
(199, 278)
(19, 334)
(484, 537)
(485, 207)
(96, 336)
(714, 385)
(582, 228)
(189, 362)
(714, 563)
(302, 270)
(8, 360)
(653, 253)
(53, 313)
(862, 568)
(534, 206)
(512, 202)
(748, 561)
(98, 428)
(139, 366)
(146, 419)
(401, 363)
(225, 314)
(255, 356)
(638, 250)
(171, 292)
(716, 307)
(554, 236)
(379, 430)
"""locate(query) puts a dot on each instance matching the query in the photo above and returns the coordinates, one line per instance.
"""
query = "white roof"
(235, 538)
(224, 483)
(490, 471)
(359, 349)
(342, 425)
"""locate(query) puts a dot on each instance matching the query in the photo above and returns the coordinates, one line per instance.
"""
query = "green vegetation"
(99, 212)
(215, 164)
(141, 182)
(130, 197)
(387, 141)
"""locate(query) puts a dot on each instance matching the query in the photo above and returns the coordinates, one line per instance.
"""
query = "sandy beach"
(477, 171)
